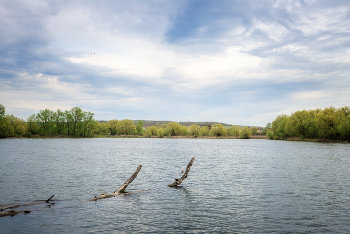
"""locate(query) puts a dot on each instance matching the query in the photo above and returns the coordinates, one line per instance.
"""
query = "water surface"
(235, 186)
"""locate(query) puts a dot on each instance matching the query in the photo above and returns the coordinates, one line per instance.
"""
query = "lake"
(234, 186)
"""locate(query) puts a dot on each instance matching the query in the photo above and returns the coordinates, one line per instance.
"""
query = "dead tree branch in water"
(184, 176)
(14, 212)
(121, 189)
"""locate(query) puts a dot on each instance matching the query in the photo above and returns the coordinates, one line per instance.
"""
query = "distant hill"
(149, 123)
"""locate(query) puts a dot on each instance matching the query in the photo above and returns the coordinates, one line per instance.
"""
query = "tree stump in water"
(121, 189)
(184, 176)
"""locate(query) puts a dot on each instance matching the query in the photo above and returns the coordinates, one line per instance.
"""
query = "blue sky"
(238, 62)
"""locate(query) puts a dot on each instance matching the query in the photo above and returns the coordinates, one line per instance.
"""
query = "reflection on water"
(253, 186)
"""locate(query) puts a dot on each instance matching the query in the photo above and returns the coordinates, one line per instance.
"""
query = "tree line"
(127, 127)
(216, 130)
(327, 124)
(78, 123)
(74, 122)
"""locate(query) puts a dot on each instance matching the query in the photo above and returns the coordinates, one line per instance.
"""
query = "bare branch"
(18, 205)
(121, 189)
(179, 181)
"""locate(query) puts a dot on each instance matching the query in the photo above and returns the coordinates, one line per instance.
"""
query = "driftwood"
(14, 212)
(184, 176)
(121, 189)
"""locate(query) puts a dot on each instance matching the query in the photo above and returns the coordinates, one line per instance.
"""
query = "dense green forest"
(328, 124)
(79, 123)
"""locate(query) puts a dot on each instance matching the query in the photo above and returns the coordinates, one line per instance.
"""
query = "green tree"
(20, 130)
(326, 123)
(217, 130)
(295, 124)
(165, 130)
(6, 128)
(59, 119)
(278, 126)
(45, 120)
(19, 126)
(254, 131)
(102, 128)
(269, 134)
(152, 131)
(245, 133)
(127, 127)
(113, 126)
(87, 123)
(230, 131)
(2, 112)
(344, 128)
(32, 125)
(342, 124)
(174, 129)
(204, 131)
(268, 126)
(91, 128)
(236, 131)
(77, 114)
(160, 132)
(183, 131)
(69, 121)
(139, 129)
(194, 130)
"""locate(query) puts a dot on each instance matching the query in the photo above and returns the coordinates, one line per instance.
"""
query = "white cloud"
(119, 62)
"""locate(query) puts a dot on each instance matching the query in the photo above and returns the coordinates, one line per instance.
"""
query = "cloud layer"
(239, 62)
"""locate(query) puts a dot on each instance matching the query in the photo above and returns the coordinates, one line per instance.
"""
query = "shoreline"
(181, 137)
(136, 136)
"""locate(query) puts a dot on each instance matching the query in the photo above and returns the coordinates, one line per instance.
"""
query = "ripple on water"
(253, 186)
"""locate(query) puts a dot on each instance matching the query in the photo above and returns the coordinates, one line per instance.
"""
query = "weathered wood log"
(184, 176)
(22, 205)
(131, 179)
(13, 212)
(121, 189)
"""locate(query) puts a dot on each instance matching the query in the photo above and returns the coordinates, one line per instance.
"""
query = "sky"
(239, 62)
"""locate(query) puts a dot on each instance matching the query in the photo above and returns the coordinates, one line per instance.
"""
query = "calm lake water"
(234, 186)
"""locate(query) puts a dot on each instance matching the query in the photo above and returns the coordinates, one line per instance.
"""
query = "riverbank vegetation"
(327, 124)
(71, 123)
(78, 123)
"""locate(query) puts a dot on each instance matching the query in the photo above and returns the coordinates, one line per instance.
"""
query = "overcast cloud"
(238, 62)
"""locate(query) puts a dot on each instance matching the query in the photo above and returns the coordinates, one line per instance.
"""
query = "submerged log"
(121, 189)
(184, 176)
(22, 205)
(14, 212)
